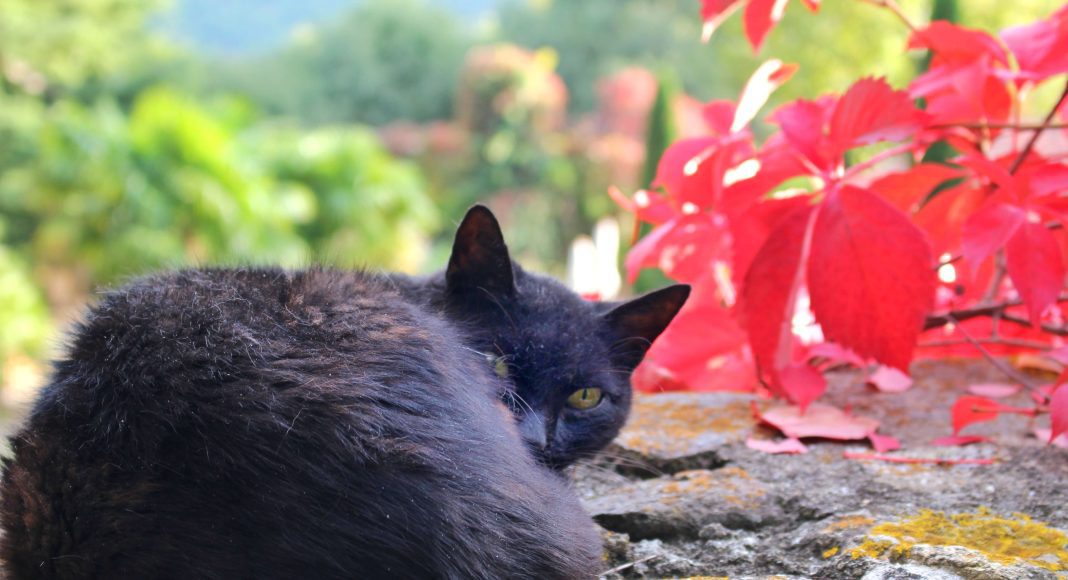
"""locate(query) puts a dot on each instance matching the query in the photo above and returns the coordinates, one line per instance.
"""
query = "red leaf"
(684, 247)
(1040, 48)
(714, 12)
(955, 45)
(646, 207)
(819, 421)
(906, 190)
(770, 289)
(788, 445)
(680, 165)
(719, 115)
(989, 229)
(883, 443)
(834, 353)
(768, 76)
(703, 348)
(963, 94)
(869, 112)
(968, 410)
(958, 440)
(750, 230)
(777, 164)
(760, 17)
(802, 125)
(812, 5)
(890, 380)
(692, 170)
(870, 276)
(1034, 264)
(1058, 413)
(802, 384)
(943, 217)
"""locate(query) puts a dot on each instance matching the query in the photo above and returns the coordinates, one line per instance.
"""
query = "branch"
(893, 6)
(1000, 270)
(1000, 364)
(1050, 328)
(1017, 342)
(986, 126)
(1034, 136)
(956, 316)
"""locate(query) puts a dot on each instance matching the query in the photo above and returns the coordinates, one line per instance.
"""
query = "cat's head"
(566, 361)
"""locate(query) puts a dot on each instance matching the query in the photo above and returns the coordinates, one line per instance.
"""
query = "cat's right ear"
(480, 260)
(637, 323)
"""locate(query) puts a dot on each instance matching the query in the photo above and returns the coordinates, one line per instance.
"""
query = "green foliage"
(596, 37)
(48, 44)
(23, 313)
(662, 127)
(176, 180)
(386, 60)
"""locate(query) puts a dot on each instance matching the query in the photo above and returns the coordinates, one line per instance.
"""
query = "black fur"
(260, 423)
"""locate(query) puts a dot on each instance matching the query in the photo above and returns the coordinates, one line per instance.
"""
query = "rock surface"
(679, 493)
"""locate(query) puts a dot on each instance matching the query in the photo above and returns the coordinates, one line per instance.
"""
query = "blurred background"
(137, 135)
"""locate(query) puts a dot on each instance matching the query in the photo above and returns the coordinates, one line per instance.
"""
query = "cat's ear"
(638, 322)
(480, 258)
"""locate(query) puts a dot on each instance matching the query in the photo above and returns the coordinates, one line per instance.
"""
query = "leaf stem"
(877, 158)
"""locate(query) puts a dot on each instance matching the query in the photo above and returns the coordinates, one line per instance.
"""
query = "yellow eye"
(500, 366)
(584, 399)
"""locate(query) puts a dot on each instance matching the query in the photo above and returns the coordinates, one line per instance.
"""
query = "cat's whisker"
(622, 343)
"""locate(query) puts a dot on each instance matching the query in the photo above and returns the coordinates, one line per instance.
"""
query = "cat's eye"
(500, 365)
(585, 398)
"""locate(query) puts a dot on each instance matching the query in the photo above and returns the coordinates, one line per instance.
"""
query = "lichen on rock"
(1004, 540)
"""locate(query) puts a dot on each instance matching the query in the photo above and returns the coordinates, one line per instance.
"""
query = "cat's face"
(565, 362)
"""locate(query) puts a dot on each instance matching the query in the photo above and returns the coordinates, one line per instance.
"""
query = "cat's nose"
(532, 429)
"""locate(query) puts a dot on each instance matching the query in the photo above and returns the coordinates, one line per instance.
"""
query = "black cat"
(262, 423)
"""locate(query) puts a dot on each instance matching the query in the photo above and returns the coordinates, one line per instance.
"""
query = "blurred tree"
(47, 47)
(385, 60)
(596, 37)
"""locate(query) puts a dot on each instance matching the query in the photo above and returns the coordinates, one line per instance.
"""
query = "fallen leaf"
(819, 420)
(884, 443)
(994, 390)
(890, 380)
(959, 440)
(802, 384)
(968, 410)
(1043, 434)
(788, 445)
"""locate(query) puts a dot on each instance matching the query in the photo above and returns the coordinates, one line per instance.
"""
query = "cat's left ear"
(638, 322)
(480, 258)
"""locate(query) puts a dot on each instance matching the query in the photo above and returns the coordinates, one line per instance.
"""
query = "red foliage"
(879, 253)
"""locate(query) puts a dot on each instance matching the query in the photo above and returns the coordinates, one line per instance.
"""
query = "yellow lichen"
(848, 522)
(663, 425)
(830, 552)
(1014, 540)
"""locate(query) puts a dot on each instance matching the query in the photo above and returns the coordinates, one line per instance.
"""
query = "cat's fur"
(262, 423)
